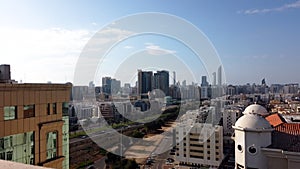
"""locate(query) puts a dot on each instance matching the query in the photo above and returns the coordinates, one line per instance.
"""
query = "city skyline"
(254, 40)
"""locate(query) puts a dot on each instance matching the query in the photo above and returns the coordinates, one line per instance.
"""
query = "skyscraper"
(144, 81)
(174, 78)
(220, 76)
(214, 78)
(115, 86)
(161, 81)
(106, 85)
(204, 81)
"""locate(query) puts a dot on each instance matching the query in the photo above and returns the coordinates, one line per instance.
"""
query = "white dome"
(251, 121)
(256, 109)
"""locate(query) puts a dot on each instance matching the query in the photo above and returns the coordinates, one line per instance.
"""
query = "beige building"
(199, 145)
(34, 124)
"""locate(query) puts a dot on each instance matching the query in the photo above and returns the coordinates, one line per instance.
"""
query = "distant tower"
(161, 81)
(204, 81)
(145, 79)
(252, 132)
(106, 85)
(184, 83)
(263, 82)
(214, 78)
(174, 78)
(5, 72)
(220, 76)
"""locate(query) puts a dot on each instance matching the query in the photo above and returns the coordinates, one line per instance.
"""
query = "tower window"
(252, 150)
(240, 148)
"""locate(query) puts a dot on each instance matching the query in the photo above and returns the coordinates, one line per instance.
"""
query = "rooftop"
(13, 165)
(275, 119)
(286, 137)
(256, 109)
(252, 122)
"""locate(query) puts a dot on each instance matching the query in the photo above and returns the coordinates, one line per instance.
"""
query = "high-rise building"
(145, 79)
(161, 81)
(34, 124)
(79, 92)
(115, 86)
(214, 78)
(220, 76)
(4, 72)
(106, 85)
(184, 83)
(263, 82)
(204, 81)
(174, 78)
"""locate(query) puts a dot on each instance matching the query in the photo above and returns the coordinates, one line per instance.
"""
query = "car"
(153, 155)
(170, 160)
(90, 167)
(84, 136)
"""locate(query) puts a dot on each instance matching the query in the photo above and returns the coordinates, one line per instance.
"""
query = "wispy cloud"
(128, 47)
(284, 7)
(157, 50)
(40, 55)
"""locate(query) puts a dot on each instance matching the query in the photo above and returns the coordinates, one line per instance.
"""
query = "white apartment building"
(199, 144)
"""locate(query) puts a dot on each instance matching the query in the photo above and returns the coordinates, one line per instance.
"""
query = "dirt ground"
(144, 151)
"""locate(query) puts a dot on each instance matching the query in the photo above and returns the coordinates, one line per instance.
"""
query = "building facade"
(34, 124)
(199, 145)
(264, 141)
(161, 81)
(145, 80)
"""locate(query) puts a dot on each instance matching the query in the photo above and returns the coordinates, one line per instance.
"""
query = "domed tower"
(252, 132)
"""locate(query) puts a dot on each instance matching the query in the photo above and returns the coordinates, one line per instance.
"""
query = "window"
(239, 166)
(10, 112)
(65, 109)
(239, 147)
(29, 111)
(17, 147)
(9, 155)
(1, 143)
(51, 145)
(48, 109)
(252, 150)
(54, 108)
(2, 155)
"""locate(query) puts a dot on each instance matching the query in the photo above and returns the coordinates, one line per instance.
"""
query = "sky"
(42, 40)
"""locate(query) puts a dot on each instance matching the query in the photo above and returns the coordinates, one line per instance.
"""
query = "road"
(100, 164)
(102, 133)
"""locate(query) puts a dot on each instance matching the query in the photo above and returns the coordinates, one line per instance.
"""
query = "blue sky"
(42, 40)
